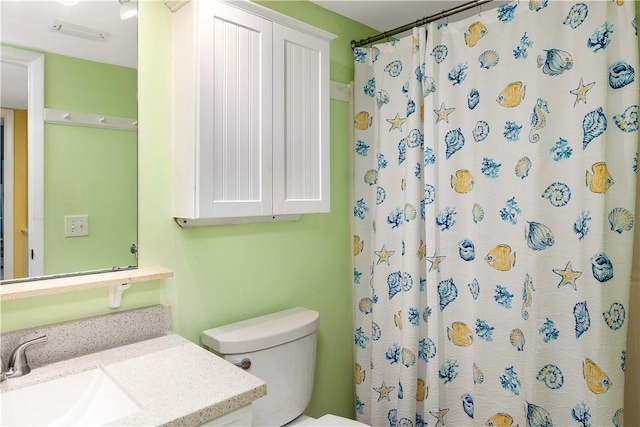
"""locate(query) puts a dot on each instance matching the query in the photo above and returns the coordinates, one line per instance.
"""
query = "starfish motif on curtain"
(443, 113)
(396, 122)
(384, 391)
(384, 255)
(435, 261)
(440, 416)
(581, 91)
(568, 276)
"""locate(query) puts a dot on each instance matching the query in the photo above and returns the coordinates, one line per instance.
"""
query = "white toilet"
(281, 349)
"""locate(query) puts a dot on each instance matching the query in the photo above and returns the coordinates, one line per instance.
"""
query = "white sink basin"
(88, 398)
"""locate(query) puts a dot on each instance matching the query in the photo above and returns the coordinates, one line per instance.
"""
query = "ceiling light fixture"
(128, 9)
(78, 31)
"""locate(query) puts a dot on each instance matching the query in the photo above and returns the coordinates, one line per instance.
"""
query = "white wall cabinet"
(251, 92)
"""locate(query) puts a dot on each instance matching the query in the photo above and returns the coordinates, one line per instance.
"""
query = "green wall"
(89, 170)
(228, 273)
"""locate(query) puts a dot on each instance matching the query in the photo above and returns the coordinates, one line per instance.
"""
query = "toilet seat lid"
(335, 421)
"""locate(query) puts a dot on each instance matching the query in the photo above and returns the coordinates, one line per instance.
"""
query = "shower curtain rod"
(444, 14)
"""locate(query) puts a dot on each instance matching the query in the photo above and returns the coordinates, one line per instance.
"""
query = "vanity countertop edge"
(174, 381)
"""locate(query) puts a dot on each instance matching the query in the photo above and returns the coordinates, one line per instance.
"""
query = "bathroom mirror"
(69, 137)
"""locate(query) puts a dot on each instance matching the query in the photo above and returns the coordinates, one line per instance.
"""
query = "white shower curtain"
(494, 206)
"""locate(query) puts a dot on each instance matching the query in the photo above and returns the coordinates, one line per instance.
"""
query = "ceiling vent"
(78, 31)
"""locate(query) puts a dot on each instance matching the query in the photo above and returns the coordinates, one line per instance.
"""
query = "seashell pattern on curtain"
(495, 170)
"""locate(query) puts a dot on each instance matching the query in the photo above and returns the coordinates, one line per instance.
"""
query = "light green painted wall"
(89, 86)
(228, 273)
(90, 171)
(87, 170)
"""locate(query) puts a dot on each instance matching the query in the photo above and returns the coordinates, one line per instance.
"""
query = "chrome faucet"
(18, 365)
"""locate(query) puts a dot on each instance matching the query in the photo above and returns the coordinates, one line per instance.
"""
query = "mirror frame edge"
(35, 137)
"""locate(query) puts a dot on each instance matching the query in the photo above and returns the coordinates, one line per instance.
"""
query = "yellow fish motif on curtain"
(397, 319)
(478, 376)
(358, 374)
(358, 245)
(501, 258)
(422, 391)
(512, 95)
(422, 250)
(462, 182)
(599, 180)
(460, 334)
(477, 30)
(362, 120)
(597, 381)
(500, 420)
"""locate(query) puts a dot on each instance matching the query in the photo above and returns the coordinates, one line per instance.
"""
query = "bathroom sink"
(86, 398)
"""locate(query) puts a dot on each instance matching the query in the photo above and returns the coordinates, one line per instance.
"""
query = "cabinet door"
(234, 121)
(300, 122)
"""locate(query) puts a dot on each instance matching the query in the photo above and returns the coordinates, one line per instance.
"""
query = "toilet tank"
(282, 348)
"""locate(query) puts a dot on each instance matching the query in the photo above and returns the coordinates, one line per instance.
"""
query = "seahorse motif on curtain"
(527, 166)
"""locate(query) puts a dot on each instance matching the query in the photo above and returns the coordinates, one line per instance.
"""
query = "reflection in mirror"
(69, 140)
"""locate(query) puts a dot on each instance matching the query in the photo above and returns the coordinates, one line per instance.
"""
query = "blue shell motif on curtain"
(495, 169)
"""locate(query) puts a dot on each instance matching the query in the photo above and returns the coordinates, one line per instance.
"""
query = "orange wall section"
(19, 190)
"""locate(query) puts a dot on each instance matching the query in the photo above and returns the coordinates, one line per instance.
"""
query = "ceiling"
(384, 15)
(26, 23)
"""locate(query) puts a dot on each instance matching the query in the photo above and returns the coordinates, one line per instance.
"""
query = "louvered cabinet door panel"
(235, 118)
(301, 122)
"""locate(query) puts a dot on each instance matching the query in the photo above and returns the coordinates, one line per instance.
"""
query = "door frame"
(7, 197)
(35, 151)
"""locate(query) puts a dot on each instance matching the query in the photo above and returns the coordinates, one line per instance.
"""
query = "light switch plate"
(76, 225)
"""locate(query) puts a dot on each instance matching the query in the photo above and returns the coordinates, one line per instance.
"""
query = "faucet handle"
(18, 365)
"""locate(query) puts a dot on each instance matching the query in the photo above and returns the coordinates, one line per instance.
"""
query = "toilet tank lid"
(261, 332)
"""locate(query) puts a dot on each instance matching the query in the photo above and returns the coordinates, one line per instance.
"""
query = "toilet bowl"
(280, 349)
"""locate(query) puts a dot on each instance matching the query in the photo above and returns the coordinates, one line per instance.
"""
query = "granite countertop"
(174, 381)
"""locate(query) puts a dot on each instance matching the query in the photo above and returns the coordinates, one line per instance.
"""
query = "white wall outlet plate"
(76, 225)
